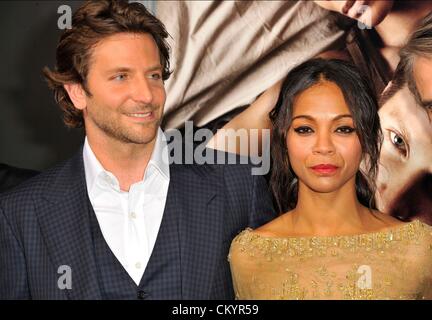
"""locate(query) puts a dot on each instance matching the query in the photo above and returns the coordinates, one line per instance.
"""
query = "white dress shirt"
(130, 221)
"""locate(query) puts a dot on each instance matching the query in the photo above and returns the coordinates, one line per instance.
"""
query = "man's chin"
(141, 136)
(141, 139)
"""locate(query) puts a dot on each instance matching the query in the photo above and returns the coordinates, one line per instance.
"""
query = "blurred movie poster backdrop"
(225, 55)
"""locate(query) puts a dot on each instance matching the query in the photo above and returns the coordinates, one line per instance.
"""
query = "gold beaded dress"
(395, 263)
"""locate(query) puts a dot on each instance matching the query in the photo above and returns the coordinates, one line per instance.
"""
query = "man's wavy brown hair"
(418, 45)
(92, 22)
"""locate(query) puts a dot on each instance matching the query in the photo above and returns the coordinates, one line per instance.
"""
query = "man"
(417, 59)
(117, 221)
(10, 176)
(406, 153)
(414, 144)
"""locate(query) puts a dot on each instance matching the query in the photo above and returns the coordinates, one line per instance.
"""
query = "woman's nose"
(324, 144)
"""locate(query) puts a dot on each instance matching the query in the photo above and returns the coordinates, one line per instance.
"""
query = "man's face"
(422, 71)
(127, 90)
(407, 146)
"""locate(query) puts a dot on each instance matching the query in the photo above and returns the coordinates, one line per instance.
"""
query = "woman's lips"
(324, 168)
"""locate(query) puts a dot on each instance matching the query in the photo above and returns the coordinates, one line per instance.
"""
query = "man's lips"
(325, 168)
(141, 116)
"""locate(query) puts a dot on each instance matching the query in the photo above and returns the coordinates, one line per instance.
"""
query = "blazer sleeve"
(13, 279)
(262, 208)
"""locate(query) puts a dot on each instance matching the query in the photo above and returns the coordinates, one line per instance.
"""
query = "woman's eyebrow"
(342, 116)
(303, 116)
(308, 117)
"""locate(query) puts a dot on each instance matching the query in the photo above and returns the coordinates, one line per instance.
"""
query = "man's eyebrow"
(312, 118)
(153, 68)
(397, 118)
(426, 104)
(118, 69)
(127, 69)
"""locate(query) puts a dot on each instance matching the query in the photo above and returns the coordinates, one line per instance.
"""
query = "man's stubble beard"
(124, 134)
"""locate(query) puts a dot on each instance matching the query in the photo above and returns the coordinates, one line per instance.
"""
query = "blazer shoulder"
(34, 186)
(13, 176)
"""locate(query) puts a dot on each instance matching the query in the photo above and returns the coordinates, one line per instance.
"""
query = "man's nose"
(142, 91)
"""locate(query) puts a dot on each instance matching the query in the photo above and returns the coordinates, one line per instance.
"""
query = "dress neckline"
(386, 231)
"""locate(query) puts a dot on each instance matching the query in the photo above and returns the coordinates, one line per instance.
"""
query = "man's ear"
(76, 94)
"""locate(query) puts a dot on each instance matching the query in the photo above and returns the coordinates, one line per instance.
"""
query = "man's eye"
(303, 130)
(156, 76)
(345, 130)
(120, 77)
(399, 143)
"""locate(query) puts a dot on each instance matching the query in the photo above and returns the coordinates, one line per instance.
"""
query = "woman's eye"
(303, 130)
(345, 130)
(399, 143)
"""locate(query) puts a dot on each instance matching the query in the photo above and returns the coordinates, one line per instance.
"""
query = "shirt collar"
(158, 160)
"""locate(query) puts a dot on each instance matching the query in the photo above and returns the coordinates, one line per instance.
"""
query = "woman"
(330, 243)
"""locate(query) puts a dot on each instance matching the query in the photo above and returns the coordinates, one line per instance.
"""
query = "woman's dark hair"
(362, 102)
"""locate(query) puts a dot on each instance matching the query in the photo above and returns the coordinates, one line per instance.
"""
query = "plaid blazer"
(44, 224)
(10, 176)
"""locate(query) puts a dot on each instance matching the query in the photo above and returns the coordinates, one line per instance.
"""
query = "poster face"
(228, 59)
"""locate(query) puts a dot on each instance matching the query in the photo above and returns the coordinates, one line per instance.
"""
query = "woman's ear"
(77, 95)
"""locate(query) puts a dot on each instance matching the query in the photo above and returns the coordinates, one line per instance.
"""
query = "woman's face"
(407, 147)
(377, 10)
(323, 147)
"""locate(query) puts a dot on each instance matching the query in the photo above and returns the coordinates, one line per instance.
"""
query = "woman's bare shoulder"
(386, 219)
(278, 227)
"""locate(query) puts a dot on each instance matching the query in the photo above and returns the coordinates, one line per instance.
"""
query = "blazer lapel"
(200, 219)
(63, 216)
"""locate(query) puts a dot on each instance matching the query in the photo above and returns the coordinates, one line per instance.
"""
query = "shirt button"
(133, 215)
(138, 265)
(142, 295)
